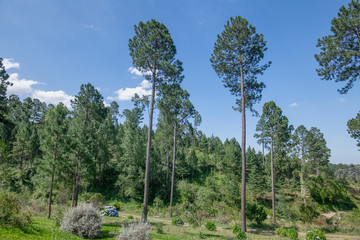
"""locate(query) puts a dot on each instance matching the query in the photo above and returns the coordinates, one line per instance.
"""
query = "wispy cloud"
(20, 86)
(342, 100)
(137, 73)
(294, 104)
(125, 94)
(53, 97)
(9, 63)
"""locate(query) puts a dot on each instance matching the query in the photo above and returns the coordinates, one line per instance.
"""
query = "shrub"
(83, 221)
(109, 211)
(176, 221)
(281, 232)
(292, 234)
(130, 217)
(10, 211)
(117, 205)
(159, 227)
(238, 232)
(210, 226)
(97, 200)
(135, 231)
(59, 214)
(289, 233)
(315, 235)
(255, 212)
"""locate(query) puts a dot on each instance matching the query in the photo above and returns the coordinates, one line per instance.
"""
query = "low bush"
(59, 214)
(135, 231)
(256, 213)
(210, 226)
(10, 211)
(117, 205)
(289, 233)
(176, 221)
(315, 235)
(83, 221)
(238, 232)
(130, 217)
(109, 211)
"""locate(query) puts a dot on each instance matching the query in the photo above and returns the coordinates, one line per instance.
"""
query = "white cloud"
(20, 86)
(145, 84)
(90, 26)
(137, 72)
(342, 100)
(124, 94)
(294, 104)
(53, 97)
(8, 63)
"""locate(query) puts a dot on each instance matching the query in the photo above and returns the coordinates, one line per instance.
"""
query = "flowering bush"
(177, 221)
(315, 235)
(84, 221)
(109, 211)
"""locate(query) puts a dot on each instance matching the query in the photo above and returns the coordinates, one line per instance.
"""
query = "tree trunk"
(243, 156)
(167, 163)
(173, 171)
(302, 183)
(272, 179)
(51, 188)
(53, 175)
(263, 153)
(147, 167)
(318, 169)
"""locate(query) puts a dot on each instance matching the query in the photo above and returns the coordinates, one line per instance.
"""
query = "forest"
(55, 159)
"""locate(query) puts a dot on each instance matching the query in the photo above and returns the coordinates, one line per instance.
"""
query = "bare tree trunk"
(243, 156)
(148, 148)
(51, 189)
(318, 169)
(302, 183)
(263, 153)
(167, 163)
(272, 179)
(173, 171)
(53, 176)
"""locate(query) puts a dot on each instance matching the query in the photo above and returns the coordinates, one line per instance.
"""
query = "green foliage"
(10, 211)
(354, 128)
(239, 50)
(210, 226)
(177, 221)
(339, 54)
(328, 191)
(255, 212)
(97, 199)
(315, 235)
(117, 205)
(289, 233)
(130, 217)
(238, 232)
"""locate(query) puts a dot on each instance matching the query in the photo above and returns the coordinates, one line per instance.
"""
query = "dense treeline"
(59, 155)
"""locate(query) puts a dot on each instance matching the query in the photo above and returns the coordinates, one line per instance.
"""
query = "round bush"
(281, 232)
(10, 211)
(130, 217)
(292, 234)
(210, 226)
(117, 205)
(135, 231)
(315, 235)
(109, 211)
(97, 200)
(176, 221)
(238, 232)
(83, 221)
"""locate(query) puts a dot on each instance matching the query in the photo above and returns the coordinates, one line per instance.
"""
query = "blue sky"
(55, 46)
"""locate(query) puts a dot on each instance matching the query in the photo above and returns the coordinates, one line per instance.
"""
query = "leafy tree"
(318, 152)
(53, 144)
(4, 83)
(152, 50)
(89, 112)
(340, 52)
(275, 127)
(354, 128)
(236, 57)
(301, 148)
